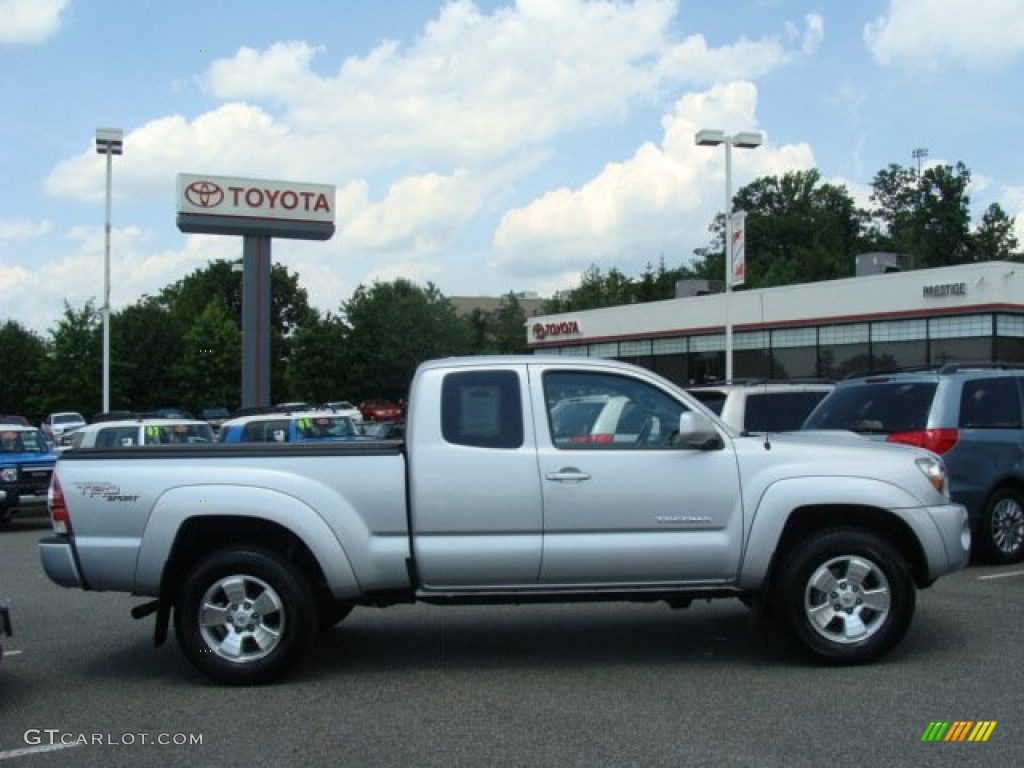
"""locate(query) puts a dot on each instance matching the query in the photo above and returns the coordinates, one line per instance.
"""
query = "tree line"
(182, 347)
(800, 229)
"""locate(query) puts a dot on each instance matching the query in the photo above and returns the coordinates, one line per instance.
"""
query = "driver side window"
(600, 411)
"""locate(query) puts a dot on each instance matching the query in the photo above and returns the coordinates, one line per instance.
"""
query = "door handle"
(568, 475)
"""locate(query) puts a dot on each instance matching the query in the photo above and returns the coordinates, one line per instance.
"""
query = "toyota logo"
(204, 194)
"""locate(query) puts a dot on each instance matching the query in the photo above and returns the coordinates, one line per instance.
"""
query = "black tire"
(6, 515)
(1000, 535)
(260, 616)
(846, 595)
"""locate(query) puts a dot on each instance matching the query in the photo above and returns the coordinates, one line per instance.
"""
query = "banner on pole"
(737, 248)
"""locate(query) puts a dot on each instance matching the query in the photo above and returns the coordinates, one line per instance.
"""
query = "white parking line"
(33, 750)
(1000, 575)
(13, 653)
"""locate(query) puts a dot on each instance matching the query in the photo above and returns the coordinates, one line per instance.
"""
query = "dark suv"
(971, 415)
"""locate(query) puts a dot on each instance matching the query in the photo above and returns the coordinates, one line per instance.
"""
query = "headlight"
(935, 471)
(9, 474)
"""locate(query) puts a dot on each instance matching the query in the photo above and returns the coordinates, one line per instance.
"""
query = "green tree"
(994, 238)
(24, 353)
(73, 371)
(926, 215)
(320, 369)
(798, 230)
(289, 309)
(208, 373)
(146, 344)
(392, 328)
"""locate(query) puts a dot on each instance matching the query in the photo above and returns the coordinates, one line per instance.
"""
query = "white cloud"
(927, 34)
(29, 21)
(22, 230)
(652, 204)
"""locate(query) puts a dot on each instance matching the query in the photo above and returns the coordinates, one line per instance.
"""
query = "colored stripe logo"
(958, 730)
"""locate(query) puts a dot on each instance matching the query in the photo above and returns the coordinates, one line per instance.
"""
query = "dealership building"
(873, 322)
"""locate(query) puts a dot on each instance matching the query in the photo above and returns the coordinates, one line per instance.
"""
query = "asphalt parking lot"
(578, 685)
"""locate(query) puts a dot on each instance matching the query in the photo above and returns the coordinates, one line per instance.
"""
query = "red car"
(379, 410)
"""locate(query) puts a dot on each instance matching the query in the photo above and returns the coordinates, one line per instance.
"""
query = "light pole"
(744, 140)
(109, 142)
(919, 154)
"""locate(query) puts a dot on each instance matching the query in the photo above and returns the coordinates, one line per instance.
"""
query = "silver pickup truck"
(521, 479)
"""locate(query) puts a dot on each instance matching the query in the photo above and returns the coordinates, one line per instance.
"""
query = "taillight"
(58, 509)
(935, 440)
(605, 437)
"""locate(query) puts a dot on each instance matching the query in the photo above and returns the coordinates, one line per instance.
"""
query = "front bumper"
(953, 531)
(59, 562)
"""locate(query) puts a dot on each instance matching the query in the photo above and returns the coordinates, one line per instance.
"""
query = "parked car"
(215, 417)
(56, 424)
(757, 407)
(384, 430)
(122, 434)
(972, 416)
(170, 412)
(26, 464)
(379, 410)
(114, 416)
(289, 428)
(10, 418)
(343, 408)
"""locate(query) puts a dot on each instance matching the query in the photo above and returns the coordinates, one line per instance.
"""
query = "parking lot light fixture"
(109, 142)
(711, 137)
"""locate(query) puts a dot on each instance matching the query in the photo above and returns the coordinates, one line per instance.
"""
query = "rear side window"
(990, 403)
(779, 411)
(875, 408)
(482, 409)
(713, 400)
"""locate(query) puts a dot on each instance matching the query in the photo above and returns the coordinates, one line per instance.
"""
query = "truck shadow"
(514, 637)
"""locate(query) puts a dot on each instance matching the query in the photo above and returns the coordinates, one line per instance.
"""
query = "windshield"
(29, 441)
(325, 428)
(875, 408)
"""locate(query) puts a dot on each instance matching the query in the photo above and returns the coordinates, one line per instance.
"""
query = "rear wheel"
(245, 616)
(846, 595)
(1000, 537)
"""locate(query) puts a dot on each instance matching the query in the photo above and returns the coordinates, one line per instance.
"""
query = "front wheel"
(846, 595)
(245, 616)
(1000, 537)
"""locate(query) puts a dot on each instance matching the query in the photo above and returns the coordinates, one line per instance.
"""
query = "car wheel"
(1000, 537)
(846, 595)
(245, 616)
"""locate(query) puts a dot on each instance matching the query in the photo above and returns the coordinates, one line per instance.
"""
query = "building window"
(672, 346)
(605, 349)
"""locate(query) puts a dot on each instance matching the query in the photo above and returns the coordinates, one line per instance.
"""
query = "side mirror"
(698, 432)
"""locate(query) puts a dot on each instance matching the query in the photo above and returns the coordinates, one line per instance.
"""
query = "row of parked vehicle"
(971, 415)
(27, 454)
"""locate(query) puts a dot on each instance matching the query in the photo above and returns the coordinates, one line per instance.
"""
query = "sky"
(483, 146)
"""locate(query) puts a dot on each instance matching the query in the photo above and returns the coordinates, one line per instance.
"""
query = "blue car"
(26, 464)
(289, 428)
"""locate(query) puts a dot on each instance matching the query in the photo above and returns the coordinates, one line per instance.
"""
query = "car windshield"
(22, 442)
(325, 428)
(875, 408)
(779, 411)
(67, 418)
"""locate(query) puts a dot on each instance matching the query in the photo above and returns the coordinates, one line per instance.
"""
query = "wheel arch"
(198, 537)
(807, 520)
